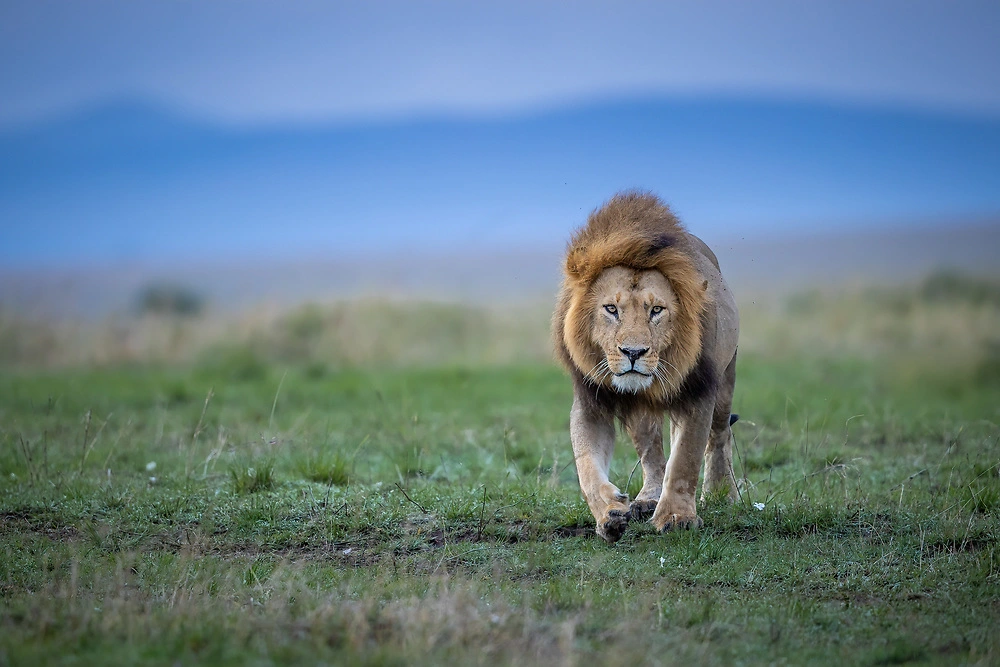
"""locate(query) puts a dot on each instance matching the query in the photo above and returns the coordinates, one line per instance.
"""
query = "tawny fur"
(633, 234)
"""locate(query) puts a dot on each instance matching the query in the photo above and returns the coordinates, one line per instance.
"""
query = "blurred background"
(313, 174)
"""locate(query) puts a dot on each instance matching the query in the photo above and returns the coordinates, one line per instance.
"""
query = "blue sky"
(261, 61)
(155, 131)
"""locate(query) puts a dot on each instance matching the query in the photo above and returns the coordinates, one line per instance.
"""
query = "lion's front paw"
(680, 522)
(613, 525)
(640, 510)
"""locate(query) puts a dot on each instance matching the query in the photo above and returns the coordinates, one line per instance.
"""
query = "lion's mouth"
(632, 381)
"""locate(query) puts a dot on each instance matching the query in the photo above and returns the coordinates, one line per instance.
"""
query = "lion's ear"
(575, 265)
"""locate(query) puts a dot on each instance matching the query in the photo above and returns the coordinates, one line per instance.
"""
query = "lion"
(647, 327)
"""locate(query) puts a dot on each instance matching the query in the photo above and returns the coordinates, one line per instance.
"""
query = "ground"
(245, 510)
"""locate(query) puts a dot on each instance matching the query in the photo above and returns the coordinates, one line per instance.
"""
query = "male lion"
(646, 325)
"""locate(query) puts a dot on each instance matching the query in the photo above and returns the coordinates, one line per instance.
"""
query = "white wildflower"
(758, 506)
(151, 466)
(662, 561)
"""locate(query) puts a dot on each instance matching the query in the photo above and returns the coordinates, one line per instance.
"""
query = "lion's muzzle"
(633, 353)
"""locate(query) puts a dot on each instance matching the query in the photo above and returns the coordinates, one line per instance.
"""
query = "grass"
(261, 509)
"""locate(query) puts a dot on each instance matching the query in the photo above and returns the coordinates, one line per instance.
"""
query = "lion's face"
(632, 323)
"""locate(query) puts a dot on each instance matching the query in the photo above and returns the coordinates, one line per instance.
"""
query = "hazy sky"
(269, 61)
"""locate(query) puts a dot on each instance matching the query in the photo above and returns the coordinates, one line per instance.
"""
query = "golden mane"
(638, 231)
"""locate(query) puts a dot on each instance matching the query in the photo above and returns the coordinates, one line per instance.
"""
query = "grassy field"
(324, 497)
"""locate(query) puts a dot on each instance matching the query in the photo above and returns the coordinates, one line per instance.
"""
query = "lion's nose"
(633, 353)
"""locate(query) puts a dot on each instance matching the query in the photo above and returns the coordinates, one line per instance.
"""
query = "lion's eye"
(611, 309)
(655, 310)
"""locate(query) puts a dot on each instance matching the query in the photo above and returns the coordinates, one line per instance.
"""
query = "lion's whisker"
(661, 374)
(600, 372)
(667, 363)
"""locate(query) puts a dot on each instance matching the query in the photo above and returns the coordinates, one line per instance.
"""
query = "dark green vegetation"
(309, 513)
(168, 299)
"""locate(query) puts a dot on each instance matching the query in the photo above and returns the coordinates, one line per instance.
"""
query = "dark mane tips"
(661, 242)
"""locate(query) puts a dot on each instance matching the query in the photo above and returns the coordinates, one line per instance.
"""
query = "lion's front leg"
(688, 438)
(593, 439)
(646, 430)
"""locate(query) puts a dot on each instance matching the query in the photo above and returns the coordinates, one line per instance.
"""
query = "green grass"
(248, 512)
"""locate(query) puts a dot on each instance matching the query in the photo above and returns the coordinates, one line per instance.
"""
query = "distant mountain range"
(133, 183)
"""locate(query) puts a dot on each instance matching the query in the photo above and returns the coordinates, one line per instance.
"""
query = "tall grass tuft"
(325, 468)
(253, 479)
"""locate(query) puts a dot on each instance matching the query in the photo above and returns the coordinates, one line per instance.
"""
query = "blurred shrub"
(300, 333)
(26, 342)
(238, 362)
(950, 286)
(807, 302)
(169, 299)
(988, 370)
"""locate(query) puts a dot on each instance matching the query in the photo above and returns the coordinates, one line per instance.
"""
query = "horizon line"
(473, 114)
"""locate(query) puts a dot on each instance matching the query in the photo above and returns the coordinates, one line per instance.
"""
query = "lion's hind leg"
(719, 478)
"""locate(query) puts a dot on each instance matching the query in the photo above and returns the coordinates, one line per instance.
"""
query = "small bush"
(988, 369)
(949, 286)
(236, 362)
(169, 299)
(807, 302)
(299, 336)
